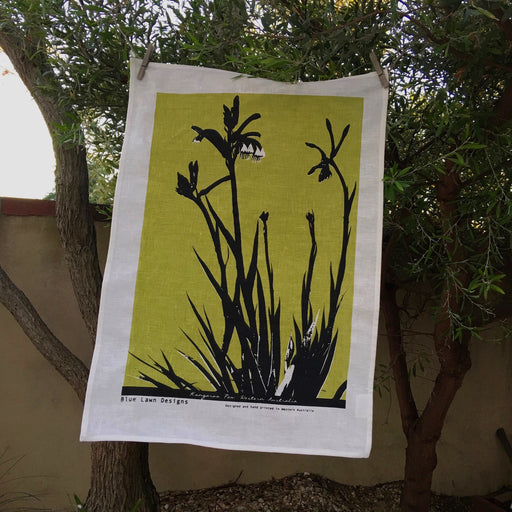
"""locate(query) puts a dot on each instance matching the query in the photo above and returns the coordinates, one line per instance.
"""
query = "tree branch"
(452, 352)
(503, 108)
(462, 55)
(75, 224)
(397, 356)
(51, 348)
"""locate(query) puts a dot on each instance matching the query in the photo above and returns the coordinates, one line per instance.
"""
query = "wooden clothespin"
(378, 68)
(145, 61)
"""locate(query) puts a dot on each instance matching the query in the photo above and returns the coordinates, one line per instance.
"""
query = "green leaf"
(485, 12)
(473, 145)
(497, 289)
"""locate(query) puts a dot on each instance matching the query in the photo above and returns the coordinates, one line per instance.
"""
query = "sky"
(26, 157)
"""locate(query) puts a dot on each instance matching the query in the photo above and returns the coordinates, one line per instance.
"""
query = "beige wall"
(40, 416)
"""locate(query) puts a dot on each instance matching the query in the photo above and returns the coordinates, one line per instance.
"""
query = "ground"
(303, 492)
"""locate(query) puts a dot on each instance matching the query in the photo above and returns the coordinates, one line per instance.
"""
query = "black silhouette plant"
(244, 303)
(308, 362)
(327, 162)
(251, 311)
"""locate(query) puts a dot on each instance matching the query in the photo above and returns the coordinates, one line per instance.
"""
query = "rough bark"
(424, 431)
(77, 232)
(52, 349)
(422, 437)
(397, 355)
(452, 353)
(121, 478)
(119, 471)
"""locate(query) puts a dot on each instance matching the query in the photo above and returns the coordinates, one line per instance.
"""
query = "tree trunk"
(120, 478)
(420, 462)
(119, 471)
(423, 431)
(423, 435)
(77, 231)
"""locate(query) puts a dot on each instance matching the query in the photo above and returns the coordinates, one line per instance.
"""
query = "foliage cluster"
(449, 62)
(11, 500)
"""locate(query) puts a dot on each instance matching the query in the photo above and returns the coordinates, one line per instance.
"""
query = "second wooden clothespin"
(378, 68)
(145, 61)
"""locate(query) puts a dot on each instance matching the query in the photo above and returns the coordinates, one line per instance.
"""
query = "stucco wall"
(40, 416)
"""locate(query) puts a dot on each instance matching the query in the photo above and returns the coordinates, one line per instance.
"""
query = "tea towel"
(240, 300)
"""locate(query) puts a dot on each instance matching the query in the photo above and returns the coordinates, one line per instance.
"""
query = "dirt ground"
(303, 492)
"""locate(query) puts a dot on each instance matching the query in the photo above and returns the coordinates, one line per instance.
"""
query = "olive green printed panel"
(246, 270)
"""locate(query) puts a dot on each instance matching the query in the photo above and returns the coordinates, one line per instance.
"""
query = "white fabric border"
(337, 432)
